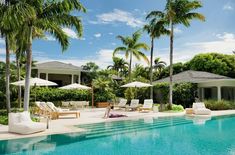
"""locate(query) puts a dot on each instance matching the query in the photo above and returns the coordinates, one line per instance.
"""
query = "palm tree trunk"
(8, 102)
(130, 66)
(18, 77)
(28, 71)
(151, 67)
(171, 64)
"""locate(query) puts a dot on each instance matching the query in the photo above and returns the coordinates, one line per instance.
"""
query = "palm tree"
(159, 65)
(155, 29)
(119, 65)
(180, 12)
(12, 14)
(132, 47)
(49, 16)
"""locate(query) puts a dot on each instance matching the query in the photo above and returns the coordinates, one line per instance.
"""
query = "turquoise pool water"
(150, 136)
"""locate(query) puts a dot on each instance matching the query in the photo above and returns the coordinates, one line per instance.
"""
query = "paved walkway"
(66, 124)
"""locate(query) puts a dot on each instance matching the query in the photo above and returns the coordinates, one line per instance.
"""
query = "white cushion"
(13, 118)
(198, 105)
(122, 102)
(25, 117)
(202, 111)
(148, 103)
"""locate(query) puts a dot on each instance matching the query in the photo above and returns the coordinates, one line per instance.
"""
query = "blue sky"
(105, 19)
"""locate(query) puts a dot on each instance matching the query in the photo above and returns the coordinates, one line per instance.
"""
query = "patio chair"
(147, 107)
(65, 104)
(21, 123)
(199, 108)
(134, 105)
(57, 112)
(122, 103)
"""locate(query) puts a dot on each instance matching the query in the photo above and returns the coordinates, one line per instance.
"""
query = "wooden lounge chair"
(147, 107)
(134, 105)
(57, 112)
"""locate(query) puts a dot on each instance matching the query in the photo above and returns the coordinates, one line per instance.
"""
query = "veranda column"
(72, 79)
(79, 78)
(46, 76)
(219, 93)
(203, 93)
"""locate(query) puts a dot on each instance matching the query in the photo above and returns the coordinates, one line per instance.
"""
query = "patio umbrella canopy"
(137, 84)
(75, 86)
(35, 82)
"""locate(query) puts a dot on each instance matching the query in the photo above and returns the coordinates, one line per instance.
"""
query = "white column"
(39, 74)
(219, 92)
(203, 94)
(79, 78)
(72, 79)
(46, 76)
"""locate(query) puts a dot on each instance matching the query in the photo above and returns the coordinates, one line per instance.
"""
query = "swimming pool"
(172, 135)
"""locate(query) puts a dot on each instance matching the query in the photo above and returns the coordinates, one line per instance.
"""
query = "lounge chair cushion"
(202, 111)
(21, 123)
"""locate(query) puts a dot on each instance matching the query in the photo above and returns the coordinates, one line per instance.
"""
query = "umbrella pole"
(92, 96)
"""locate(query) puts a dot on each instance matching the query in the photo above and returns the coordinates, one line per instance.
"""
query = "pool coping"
(75, 129)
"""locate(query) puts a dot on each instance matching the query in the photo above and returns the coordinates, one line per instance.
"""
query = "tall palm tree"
(180, 12)
(132, 47)
(49, 16)
(12, 14)
(156, 28)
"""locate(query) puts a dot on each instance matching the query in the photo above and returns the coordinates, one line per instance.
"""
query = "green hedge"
(183, 93)
(219, 105)
(57, 95)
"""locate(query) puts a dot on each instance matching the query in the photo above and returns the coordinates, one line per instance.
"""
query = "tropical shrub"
(219, 105)
(57, 95)
(183, 93)
(177, 108)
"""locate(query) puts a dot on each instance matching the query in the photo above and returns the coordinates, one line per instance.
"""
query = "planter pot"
(102, 104)
(155, 109)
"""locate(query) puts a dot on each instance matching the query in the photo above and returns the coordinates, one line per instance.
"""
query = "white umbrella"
(75, 86)
(35, 82)
(137, 84)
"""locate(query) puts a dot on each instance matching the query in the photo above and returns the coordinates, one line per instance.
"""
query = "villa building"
(60, 73)
(210, 86)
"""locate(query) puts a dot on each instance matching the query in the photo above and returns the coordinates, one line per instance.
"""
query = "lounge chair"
(21, 123)
(134, 105)
(122, 103)
(57, 112)
(65, 104)
(200, 109)
(147, 107)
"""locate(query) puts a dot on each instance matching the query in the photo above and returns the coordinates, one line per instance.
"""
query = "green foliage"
(183, 93)
(219, 105)
(222, 64)
(57, 95)
(3, 120)
(177, 108)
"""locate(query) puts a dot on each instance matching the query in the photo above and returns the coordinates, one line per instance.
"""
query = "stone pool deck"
(67, 124)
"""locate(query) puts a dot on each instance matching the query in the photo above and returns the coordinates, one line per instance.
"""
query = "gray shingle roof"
(56, 65)
(192, 76)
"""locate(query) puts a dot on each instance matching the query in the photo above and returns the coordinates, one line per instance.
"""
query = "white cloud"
(50, 38)
(71, 33)
(228, 7)
(225, 43)
(97, 35)
(177, 30)
(110, 33)
(82, 38)
(120, 16)
(113, 44)
(226, 36)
